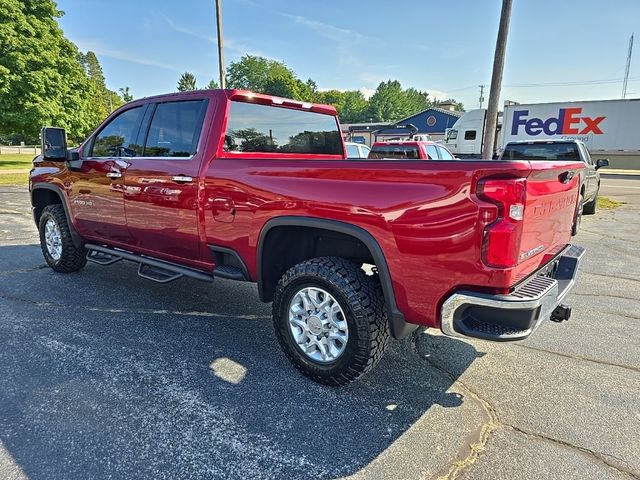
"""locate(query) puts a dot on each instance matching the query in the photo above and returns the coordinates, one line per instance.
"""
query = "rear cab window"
(401, 152)
(255, 128)
(541, 151)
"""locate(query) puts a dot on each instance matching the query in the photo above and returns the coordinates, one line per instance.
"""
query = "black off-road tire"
(577, 218)
(591, 207)
(72, 259)
(360, 297)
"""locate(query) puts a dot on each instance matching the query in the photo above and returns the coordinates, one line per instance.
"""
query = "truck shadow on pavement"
(108, 375)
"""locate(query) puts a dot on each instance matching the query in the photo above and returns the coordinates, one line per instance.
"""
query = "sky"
(557, 50)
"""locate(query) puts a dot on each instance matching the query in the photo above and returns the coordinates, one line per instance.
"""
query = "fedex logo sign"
(568, 122)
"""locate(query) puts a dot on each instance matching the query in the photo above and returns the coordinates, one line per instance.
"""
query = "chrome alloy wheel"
(53, 239)
(318, 325)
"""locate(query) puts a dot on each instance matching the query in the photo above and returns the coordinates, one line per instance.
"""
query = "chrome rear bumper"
(518, 314)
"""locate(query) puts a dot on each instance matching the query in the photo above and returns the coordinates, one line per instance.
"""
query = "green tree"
(387, 104)
(100, 98)
(355, 107)
(416, 101)
(331, 97)
(42, 81)
(262, 75)
(126, 94)
(187, 82)
(212, 85)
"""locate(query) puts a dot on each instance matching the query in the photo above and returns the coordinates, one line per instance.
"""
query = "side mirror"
(602, 162)
(54, 144)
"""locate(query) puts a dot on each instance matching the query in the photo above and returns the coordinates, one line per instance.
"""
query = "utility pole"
(220, 43)
(496, 81)
(626, 70)
(481, 99)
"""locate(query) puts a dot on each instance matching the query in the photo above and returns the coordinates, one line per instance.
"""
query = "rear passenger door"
(161, 185)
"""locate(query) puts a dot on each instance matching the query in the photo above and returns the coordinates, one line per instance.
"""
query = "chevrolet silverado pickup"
(248, 187)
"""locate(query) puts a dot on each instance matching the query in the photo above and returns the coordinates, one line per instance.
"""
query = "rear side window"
(265, 129)
(432, 152)
(541, 151)
(444, 154)
(118, 138)
(175, 129)
(470, 135)
(402, 152)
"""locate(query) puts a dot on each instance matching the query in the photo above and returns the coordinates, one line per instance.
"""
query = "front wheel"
(55, 240)
(330, 319)
(591, 207)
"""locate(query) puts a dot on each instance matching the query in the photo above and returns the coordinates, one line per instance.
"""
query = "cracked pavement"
(106, 375)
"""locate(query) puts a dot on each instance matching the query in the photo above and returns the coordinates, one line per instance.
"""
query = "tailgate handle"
(566, 176)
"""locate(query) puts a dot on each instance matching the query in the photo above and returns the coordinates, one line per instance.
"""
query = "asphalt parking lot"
(106, 375)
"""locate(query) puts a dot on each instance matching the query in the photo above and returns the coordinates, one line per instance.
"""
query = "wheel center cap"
(315, 325)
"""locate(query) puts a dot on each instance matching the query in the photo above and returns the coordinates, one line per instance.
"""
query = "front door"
(97, 179)
(161, 185)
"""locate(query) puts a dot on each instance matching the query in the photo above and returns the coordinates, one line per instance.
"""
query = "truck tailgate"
(552, 190)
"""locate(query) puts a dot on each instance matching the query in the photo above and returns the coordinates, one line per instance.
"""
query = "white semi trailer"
(604, 126)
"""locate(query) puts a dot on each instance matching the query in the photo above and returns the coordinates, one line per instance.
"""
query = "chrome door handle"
(114, 175)
(182, 179)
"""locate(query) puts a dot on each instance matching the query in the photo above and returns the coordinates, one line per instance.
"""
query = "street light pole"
(220, 43)
(496, 81)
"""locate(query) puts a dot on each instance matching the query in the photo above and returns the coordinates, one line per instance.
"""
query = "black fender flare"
(78, 241)
(397, 324)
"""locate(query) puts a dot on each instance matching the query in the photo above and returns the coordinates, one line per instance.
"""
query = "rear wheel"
(330, 319)
(55, 240)
(590, 208)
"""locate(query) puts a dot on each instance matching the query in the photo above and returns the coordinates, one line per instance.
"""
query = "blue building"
(433, 122)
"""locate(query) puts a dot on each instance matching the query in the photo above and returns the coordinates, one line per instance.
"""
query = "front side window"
(452, 135)
(255, 128)
(444, 154)
(175, 129)
(470, 135)
(432, 152)
(118, 138)
(585, 153)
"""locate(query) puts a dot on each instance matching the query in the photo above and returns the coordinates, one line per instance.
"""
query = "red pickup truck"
(248, 187)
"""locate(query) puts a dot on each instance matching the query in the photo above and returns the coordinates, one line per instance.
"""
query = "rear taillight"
(501, 238)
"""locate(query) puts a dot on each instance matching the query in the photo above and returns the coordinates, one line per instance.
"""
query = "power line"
(552, 84)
